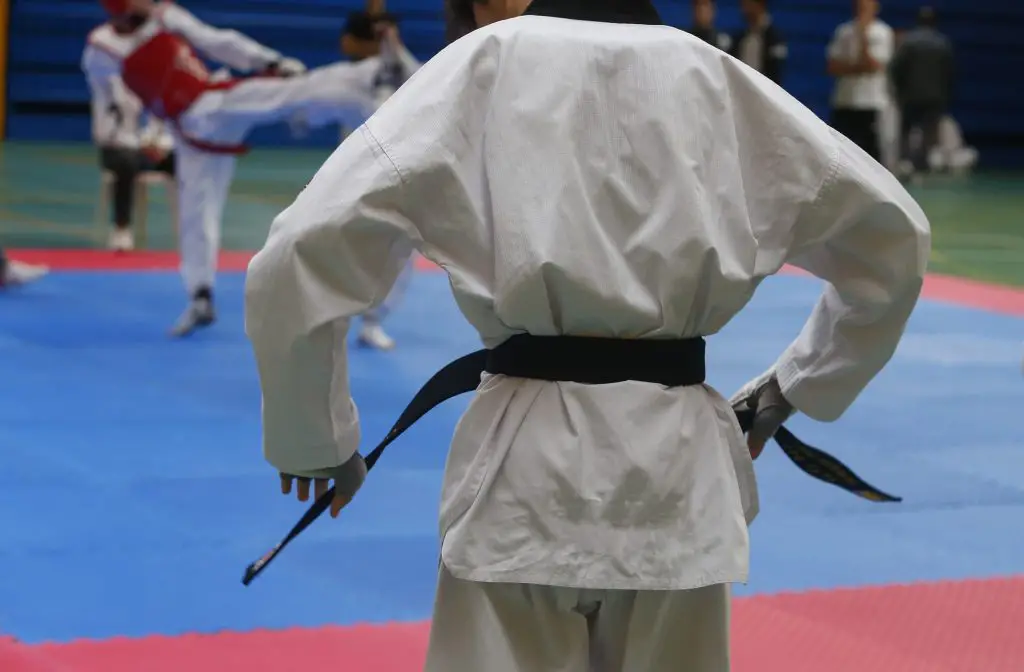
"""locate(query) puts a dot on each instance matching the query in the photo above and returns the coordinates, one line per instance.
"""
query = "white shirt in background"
(589, 179)
(862, 92)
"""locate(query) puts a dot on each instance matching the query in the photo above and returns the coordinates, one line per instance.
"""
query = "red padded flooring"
(969, 626)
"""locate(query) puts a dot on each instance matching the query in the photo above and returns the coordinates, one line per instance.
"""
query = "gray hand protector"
(347, 477)
(771, 409)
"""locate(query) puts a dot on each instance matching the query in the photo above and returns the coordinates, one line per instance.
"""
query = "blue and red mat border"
(962, 626)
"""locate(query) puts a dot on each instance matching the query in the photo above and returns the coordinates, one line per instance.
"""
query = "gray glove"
(771, 409)
(289, 67)
(348, 479)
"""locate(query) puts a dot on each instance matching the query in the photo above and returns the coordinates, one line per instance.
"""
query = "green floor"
(49, 194)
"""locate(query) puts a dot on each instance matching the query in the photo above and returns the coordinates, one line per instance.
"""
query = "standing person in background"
(761, 45)
(922, 82)
(704, 25)
(125, 149)
(858, 55)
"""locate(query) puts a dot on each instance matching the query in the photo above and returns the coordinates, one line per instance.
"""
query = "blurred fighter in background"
(603, 192)
(153, 47)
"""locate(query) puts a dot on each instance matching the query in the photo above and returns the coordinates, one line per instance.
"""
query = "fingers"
(338, 503)
(764, 427)
(304, 489)
(755, 445)
(320, 486)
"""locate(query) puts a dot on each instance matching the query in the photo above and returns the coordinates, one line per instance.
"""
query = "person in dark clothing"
(126, 164)
(704, 25)
(360, 38)
(921, 73)
(761, 44)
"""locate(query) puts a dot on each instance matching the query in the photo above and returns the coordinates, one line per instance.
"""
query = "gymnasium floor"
(133, 494)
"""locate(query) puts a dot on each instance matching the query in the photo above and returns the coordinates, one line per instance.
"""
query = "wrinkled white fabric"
(640, 189)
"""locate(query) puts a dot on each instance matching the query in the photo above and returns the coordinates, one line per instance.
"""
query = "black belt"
(593, 361)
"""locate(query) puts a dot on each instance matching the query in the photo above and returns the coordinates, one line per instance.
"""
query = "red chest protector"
(165, 73)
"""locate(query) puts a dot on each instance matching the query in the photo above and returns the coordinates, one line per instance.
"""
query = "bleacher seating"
(48, 98)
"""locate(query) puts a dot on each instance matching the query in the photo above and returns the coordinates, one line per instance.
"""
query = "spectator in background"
(858, 55)
(761, 45)
(360, 38)
(704, 25)
(922, 82)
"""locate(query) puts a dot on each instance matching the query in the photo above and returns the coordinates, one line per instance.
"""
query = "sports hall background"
(132, 492)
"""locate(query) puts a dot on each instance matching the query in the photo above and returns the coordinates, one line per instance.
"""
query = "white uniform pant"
(321, 96)
(492, 627)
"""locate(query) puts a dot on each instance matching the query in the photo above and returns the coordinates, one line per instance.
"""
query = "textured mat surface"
(132, 492)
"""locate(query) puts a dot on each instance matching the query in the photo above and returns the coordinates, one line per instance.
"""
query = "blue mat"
(133, 492)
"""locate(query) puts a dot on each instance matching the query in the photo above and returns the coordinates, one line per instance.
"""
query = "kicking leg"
(331, 94)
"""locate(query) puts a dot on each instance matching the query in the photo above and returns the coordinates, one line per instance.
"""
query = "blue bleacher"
(47, 95)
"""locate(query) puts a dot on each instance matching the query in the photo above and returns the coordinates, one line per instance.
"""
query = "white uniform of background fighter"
(211, 116)
(576, 172)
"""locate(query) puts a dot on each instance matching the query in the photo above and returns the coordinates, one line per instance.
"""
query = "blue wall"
(47, 96)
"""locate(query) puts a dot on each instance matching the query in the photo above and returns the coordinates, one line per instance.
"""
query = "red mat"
(969, 626)
(102, 260)
(1008, 300)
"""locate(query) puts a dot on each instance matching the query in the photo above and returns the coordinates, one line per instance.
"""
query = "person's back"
(578, 173)
(922, 70)
(675, 189)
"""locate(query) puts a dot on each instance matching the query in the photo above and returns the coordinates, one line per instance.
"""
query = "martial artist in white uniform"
(577, 171)
(155, 53)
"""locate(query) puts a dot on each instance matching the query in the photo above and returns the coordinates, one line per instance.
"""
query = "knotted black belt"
(593, 361)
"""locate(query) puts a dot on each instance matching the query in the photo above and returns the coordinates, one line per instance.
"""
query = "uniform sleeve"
(228, 47)
(102, 74)
(101, 69)
(870, 241)
(335, 252)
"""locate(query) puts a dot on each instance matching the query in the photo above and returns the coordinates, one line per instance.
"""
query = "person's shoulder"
(544, 33)
(882, 28)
